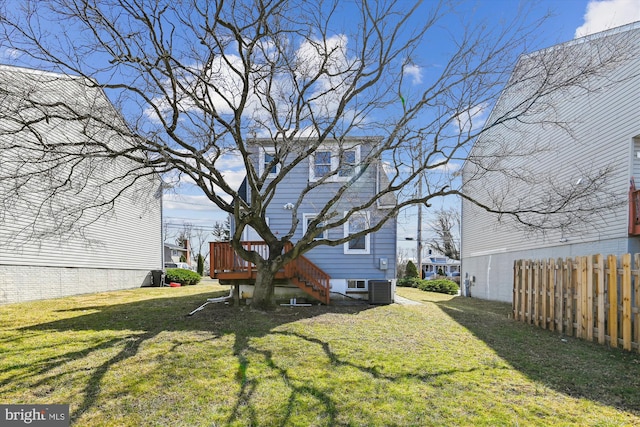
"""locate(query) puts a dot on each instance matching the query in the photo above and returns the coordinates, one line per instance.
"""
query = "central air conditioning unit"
(380, 292)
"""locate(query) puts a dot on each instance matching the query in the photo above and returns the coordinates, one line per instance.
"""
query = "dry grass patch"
(134, 358)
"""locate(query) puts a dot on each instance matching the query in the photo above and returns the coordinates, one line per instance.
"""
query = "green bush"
(443, 286)
(409, 282)
(182, 276)
(411, 271)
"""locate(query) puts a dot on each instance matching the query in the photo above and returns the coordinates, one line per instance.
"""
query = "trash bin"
(158, 278)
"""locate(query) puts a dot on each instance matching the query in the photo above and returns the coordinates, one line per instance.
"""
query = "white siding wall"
(108, 251)
(125, 248)
(604, 124)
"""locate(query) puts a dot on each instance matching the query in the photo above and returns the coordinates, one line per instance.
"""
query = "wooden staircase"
(227, 266)
(309, 277)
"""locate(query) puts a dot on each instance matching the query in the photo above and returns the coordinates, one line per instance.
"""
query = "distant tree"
(411, 270)
(200, 268)
(446, 222)
(222, 231)
(402, 258)
(184, 235)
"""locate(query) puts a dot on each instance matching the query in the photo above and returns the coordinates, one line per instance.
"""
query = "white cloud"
(188, 202)
(324, 64)
(604, 14)
(10, 53)
(472, 118)
(414, 72)
(448, 167)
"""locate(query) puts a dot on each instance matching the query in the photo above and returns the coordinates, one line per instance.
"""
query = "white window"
(267, 156)
(307, 218)
(321, 163)
(348, 164)
(356, 285)
(358, 221)
(342, 163)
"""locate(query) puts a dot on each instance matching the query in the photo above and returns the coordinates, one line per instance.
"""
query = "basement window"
(356, 285)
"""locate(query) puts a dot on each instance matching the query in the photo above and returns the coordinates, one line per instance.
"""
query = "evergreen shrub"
(443, 286)
(182, 276)
(411, 270)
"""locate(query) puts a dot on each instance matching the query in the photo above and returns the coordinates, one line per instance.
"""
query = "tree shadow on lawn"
(144, 320)
(568, 365)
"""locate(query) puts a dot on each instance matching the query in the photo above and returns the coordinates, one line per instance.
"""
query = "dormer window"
(341, 163)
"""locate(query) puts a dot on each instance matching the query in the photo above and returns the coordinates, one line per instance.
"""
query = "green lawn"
(133, 358)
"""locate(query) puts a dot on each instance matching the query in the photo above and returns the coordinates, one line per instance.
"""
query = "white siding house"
(580, 133)
(49, 246)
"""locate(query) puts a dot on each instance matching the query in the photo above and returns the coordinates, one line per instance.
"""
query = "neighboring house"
(117, 250)
(174, 254)
(438, 264)
(351, 269)
(604, 133)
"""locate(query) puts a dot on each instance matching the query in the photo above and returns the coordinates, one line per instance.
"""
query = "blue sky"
(568, 19)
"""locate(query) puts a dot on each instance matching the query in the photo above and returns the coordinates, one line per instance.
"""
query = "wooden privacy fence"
(590, 297)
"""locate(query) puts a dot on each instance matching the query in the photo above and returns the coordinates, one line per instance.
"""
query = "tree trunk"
(263, 291)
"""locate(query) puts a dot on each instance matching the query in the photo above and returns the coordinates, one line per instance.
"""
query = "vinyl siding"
(128, 239)
(109, 249)
(603, 126)
(333, 260)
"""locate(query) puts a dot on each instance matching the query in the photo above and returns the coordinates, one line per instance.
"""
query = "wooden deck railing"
(225, 264)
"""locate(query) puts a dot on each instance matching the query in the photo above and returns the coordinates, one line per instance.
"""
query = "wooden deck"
(226, 265)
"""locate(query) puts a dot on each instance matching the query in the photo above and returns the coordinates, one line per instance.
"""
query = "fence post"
(536, 293)
(600, 290)
(571, 274)
(588, 303)
(560, 308)
(613, 300)
(529, 291)
(579, 290)
(543, 292)
(626, 301)
(552, 294)
(523, 290)
(636, 305)
(516, 288)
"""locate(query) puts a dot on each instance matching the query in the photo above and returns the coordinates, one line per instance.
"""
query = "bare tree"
(184, 235)
(447, 221)
(222, 231)
(402, 257)
(196, 82)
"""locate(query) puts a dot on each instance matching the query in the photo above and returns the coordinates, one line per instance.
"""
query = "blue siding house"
(352, 268)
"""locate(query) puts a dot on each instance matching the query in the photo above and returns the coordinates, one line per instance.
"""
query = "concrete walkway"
(405, 301)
